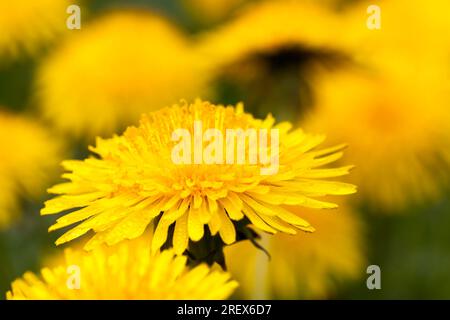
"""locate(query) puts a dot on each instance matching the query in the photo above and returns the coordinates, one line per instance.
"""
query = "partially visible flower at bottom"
(307, 265)
(135, 272)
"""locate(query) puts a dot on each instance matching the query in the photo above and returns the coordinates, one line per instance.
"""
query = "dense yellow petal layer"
(136, 273)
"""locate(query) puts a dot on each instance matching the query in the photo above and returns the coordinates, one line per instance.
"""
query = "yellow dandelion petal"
(226, 230)
(195, 225)
(137, 275)
(215, 223)
(180, 235)
(160, 235)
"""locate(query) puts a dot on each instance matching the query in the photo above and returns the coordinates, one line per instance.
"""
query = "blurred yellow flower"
(117, 67)
(29, 158)
(269, 26)
(136, 274)
(413, 37)
(26, 24)
(307, 265)
(427, 23)
(398, 133)
(134, 181)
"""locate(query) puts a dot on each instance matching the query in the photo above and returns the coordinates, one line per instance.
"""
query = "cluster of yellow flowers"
(133, 183)
(165, 230)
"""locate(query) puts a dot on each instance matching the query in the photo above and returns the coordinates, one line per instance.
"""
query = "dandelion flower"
(308, 265)
(260, 53)
(119, 66)
(398, 131)
(29, 159)
(399, 107)
(267, 27)
(27, 24)
(137, 275)
(133, 182)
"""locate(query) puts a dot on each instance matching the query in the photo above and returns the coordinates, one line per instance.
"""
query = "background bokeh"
(273, 56)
